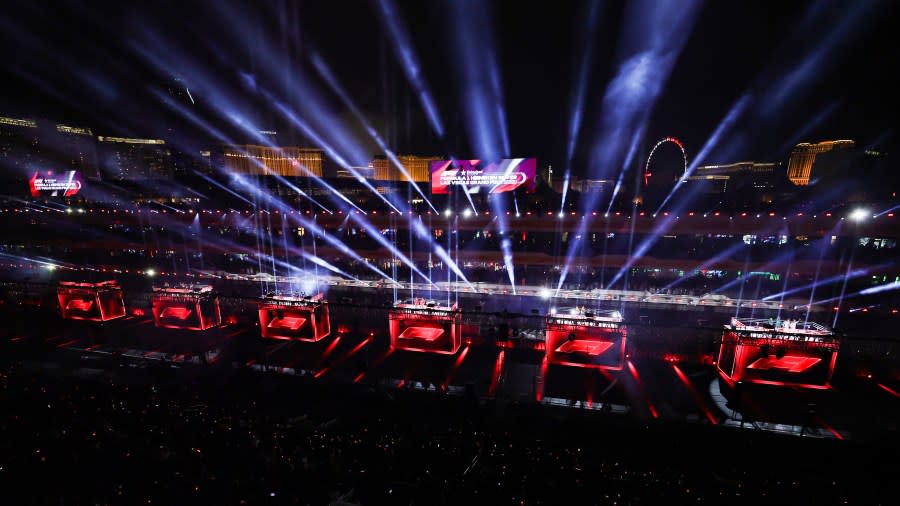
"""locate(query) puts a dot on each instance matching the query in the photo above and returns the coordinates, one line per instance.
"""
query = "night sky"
(809, 70)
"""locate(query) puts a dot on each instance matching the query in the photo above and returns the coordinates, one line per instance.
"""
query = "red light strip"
(375, 364)
(637, 379)
(830, 429)
(699, 400)
(328, 351)
(456, 365)
(345, 357)
(539, 391)
(784, 384)
(889, 390)
(498, 369)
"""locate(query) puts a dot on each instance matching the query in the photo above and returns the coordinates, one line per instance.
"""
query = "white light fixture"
(448, 213)
(150, 273)
(545, 293)
(859, 214)
(467, 213)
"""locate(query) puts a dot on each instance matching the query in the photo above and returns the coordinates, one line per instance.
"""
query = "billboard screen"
(506, 175)
(48, 184)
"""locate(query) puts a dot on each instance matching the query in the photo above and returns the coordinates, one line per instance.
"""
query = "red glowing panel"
(421, 333)
(789, 363)
(294, 319)
(420, 328)
(90, 301)
(180, 313)
(288, 323)
(80, 305)
(592, 348)
(585, 342)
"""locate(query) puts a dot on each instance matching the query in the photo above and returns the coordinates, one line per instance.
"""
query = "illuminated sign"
(596, 323)
(426, 329)
(789, 363)
(506, 175)
(65, 184)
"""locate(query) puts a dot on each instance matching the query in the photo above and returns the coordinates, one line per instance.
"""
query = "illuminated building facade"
(256, 160)
(78, 148)
(803, 158)
(20, 148)
(418, 167)
(28, 145)
(367, 172)
(604, 186)
(133, 159)
(722, 178)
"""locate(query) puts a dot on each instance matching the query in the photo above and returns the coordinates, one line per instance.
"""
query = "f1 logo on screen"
(503, 176)
(789, 363)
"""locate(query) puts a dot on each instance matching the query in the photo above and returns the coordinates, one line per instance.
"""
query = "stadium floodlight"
(448, 213)
(545, 293)
(467, 213)
(150, 273)
(859, 214)
(50, 267)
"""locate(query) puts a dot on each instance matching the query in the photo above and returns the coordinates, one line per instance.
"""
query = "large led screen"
(470, 175)
(48, 184)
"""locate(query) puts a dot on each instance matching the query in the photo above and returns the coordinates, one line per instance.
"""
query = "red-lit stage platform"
(773, 352)
(193, 307)
(90, 301)
(294, 318)
(419, 325)
(586, 338)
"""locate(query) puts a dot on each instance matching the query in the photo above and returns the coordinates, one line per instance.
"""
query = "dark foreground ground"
(203, 436)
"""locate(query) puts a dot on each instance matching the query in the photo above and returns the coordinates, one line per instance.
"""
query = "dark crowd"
(167, 436)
